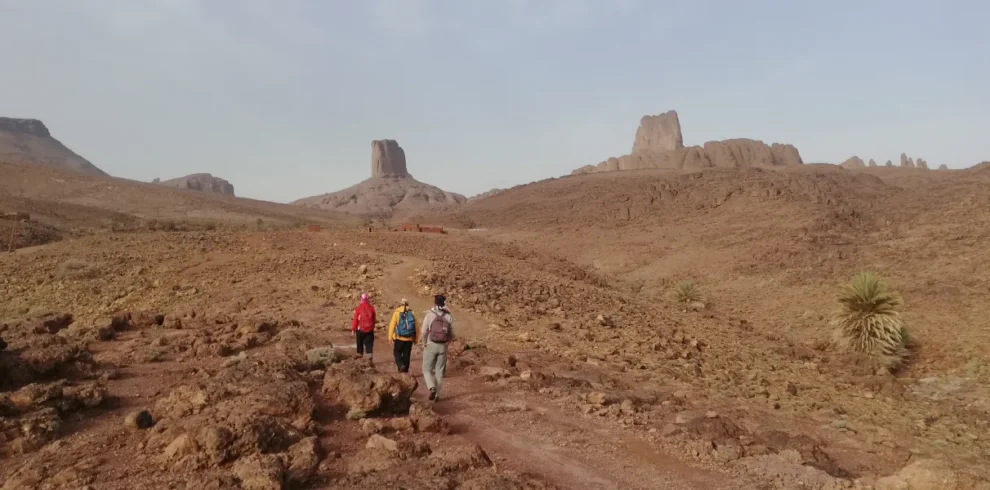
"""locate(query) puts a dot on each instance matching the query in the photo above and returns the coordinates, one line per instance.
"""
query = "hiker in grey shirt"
(438, 331)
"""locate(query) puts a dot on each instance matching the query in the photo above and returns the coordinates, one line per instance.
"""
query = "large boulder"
(661, 132)
(362, 391)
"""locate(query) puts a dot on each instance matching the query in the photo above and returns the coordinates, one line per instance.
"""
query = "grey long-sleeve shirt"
(428, 320)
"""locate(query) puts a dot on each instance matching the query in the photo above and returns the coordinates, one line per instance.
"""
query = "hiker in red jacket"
(363, 327)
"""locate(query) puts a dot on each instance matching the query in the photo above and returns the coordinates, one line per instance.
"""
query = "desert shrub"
(76, 269)
(686, 292)
(868, 320)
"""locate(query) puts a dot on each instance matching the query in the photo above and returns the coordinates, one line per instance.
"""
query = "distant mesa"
(29, 141)
(659, 143)
(943, 167)
(390, 188)
(200, 182)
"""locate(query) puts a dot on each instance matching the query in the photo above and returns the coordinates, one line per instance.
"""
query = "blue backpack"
(407, 324)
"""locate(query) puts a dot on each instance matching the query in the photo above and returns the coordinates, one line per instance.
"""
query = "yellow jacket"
(395, 321)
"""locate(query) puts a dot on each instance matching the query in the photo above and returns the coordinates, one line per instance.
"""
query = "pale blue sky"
(282, 98)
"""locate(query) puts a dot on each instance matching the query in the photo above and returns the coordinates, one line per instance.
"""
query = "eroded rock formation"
(659, 133)
(388, 159)
(390, 188)
(659, 144)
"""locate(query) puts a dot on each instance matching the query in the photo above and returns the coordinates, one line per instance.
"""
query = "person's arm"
(450, 318)
(391, 325)
(427, 320)
(354, 320)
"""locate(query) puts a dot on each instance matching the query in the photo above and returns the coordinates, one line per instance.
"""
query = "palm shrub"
(868, 320)
(688, 293)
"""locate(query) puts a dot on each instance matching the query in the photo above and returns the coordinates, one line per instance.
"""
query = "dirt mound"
(200, 182)
(29, 141)
(390, 188)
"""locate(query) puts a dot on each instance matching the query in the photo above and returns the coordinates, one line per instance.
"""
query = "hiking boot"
(433, 394)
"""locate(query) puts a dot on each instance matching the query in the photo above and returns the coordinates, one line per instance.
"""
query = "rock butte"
(659, 144)
(390, 187)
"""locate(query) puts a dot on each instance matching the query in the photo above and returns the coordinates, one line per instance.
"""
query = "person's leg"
(397, 354)
(359, 340)
(406, 355)
(369, 345)
(440, 367)
(429, 360)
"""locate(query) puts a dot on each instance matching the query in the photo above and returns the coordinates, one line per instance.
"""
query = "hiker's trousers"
(434, 365)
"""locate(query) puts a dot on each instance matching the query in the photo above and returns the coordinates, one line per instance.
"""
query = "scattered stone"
(260, 472)
(380, 442)
(493, 373)
(792, 389)
(139, 420)
(181, 446)
(597, 398)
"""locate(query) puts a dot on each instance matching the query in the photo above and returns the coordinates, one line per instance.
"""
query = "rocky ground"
(222, 359)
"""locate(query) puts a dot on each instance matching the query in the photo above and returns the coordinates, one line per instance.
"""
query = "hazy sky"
(283, 98)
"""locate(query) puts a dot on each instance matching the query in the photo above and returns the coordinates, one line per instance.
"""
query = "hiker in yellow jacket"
(402, 334)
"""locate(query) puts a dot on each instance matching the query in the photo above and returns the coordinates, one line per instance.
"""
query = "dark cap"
(440, 300)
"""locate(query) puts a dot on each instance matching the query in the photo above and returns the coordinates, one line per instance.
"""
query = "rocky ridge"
(659, 144)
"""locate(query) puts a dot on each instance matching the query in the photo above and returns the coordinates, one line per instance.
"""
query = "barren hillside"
(64, 204)
(29, 141)
(770, 244)
(222, 357)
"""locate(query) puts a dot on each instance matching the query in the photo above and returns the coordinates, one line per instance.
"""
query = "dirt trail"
(522, 433)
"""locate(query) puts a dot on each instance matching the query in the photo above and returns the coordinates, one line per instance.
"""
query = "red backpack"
(439, 329)
(366, 318)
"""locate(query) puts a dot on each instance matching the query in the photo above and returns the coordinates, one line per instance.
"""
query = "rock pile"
(659, 144)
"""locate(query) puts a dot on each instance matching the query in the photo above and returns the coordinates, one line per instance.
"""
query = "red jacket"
(364, 316)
